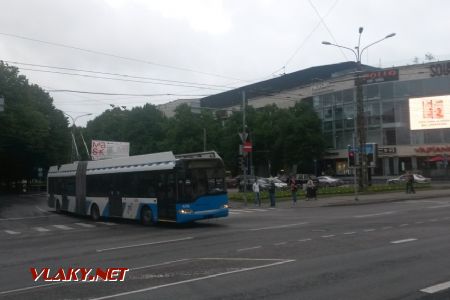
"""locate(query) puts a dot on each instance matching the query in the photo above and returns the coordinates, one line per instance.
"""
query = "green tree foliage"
(33, 134)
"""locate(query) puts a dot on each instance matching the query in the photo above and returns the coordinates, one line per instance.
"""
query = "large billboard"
(429, 112)
(108, 149)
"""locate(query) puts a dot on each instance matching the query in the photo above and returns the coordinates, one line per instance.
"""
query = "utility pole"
(244, 138)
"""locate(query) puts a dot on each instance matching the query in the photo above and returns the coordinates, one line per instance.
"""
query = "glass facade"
(386, 114)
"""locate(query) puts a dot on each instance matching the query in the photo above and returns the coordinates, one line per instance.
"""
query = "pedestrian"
(255, 188)
(272, 193)
(410, 183)
(311, 189)
(293, 186)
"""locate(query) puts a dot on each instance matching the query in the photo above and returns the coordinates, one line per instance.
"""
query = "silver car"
(327, 181)
(403, 178)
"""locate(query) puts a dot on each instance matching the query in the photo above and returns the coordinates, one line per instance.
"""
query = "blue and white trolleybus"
(149, 188)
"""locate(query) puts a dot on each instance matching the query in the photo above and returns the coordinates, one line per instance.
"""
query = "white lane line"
(280, 244)
(12, 232)
(369, 229)
(86, 225)
(246, 249)
(403, 241)
(304, 240)
(433, 220)
(107, 223)
(279, 226)
(160, 264)
(25, 218)
(436, 288)
(375, 215)
(42, 210)
(63, 227)
(439, 206)
(193, 280)
(32, 287)
(41, 229)
(349, 233)
(146, 244)
(327, 236)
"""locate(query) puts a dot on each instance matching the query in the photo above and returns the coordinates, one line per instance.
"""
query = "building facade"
(389, 98)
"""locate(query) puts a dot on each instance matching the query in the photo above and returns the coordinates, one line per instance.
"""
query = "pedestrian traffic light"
(350, 156)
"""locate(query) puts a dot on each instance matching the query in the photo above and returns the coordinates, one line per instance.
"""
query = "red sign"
(247, 147)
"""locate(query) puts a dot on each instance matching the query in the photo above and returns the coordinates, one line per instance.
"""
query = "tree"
(33, 134)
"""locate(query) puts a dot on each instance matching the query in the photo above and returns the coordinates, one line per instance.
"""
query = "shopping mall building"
(407, 111)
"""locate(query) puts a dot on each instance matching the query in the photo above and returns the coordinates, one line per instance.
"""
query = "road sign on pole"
(243, 136)
(247, 147)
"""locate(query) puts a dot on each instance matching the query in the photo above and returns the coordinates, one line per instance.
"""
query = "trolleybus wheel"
(95, 213)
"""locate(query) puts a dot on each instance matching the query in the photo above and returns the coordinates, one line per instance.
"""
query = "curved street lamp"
(74, 143)
(360, 126)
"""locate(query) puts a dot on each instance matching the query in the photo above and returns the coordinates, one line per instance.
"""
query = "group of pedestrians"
(309, 188)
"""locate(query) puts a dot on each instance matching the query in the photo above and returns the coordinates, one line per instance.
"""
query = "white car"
(327, 181)
(278, 183)
(402, 179)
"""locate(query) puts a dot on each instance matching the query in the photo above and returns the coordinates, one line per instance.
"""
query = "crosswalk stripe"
(12, 232)
(85, 225)
(63, 227)
(41, 229)
(107, 223)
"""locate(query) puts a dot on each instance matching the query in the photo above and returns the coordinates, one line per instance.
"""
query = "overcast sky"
(188, 48)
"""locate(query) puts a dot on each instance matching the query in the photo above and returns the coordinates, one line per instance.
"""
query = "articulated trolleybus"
(150, 188)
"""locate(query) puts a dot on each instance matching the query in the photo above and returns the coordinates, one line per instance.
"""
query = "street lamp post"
(360, 122)
(74, 143)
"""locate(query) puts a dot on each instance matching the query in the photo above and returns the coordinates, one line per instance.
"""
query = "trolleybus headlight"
(225, 206)
(185, 211)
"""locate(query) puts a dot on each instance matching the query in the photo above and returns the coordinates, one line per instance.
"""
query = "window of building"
(372, 113)
(433, 136)
(371, 91)
(347, 96)
(388, 112)
(401, 89)
(338, 100)
(328, 125)
(327, 100)
(328, 113)
(389, 136)
(374, 136)
(386, 90)
(403, 136)
(415, 88)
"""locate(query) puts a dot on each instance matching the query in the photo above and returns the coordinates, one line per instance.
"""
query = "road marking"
(63, 227)
(146, 244)
(280, 244)
(31, 287)
(246, 249)
(350, 232)
(279, 226)
(304, 240)
(327, 236)
(403, 241)
(160, 264)
(42, 210)
(107, 223)
(439, 206)
(193, 280)
(12, 232)
(85, 225)
(375, 215)
(24, 218)
(41, 229)
(369, 229)
(436, 288)
(433, 220)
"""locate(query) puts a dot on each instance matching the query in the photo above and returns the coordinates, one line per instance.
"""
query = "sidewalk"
(343, 200)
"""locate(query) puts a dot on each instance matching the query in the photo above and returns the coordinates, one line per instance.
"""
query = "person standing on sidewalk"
(410, 183)
(311, 189)
(272, 193)
(255, 188)
(293, 186)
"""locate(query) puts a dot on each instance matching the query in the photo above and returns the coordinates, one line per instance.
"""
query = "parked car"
(402, 179)
(327, 181)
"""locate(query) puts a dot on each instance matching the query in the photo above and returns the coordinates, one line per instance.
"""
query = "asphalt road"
(397, 250)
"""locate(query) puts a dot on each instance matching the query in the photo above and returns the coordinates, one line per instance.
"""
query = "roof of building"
(278, 84)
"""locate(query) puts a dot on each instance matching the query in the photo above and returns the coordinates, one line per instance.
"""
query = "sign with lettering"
(379, 76)
(108, 149)
(432, 149)
(440, 69)
(387, 150)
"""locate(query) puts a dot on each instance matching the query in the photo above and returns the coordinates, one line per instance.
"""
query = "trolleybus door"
(167, 196)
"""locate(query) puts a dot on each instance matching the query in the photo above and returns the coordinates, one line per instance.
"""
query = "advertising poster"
(429, 112)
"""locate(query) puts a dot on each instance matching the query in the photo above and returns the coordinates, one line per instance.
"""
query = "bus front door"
(167, 196)
(115, 204)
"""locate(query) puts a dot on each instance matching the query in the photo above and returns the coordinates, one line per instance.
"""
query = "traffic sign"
(243, 136)
(247, 147)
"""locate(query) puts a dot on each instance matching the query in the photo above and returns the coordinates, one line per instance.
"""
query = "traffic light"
(241, 162)
(351, 156)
